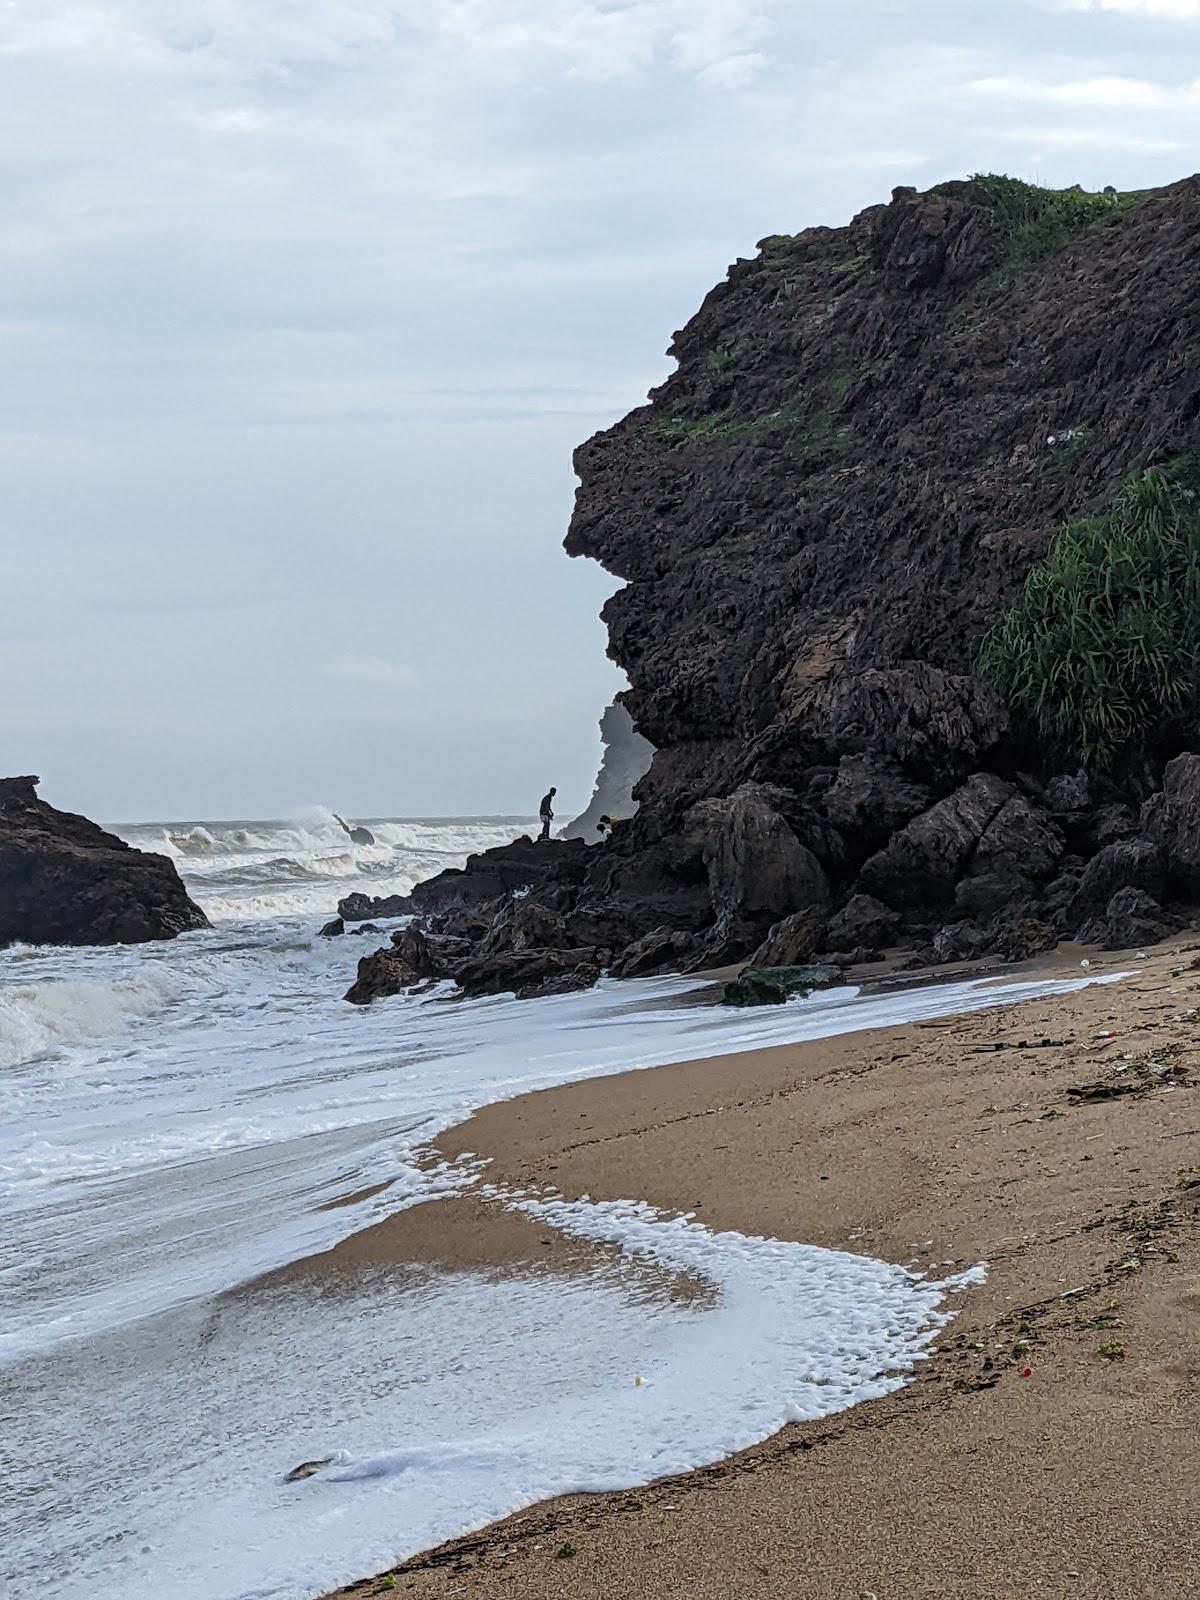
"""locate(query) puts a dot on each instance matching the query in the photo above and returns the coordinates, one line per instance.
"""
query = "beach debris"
(565, 1552)
(1020, 1044)
(1103, 1091)
(639, 1382)
(306, 1469)
(1027, 1372)
(1085, 963)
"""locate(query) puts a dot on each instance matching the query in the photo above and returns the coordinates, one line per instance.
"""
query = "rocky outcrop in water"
(63, 880)
(872, 435)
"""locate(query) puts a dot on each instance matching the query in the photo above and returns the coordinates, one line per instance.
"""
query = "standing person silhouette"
(546, 812)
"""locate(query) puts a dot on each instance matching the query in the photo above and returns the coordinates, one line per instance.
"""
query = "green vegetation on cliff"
(1101, 652)
(1036, 222)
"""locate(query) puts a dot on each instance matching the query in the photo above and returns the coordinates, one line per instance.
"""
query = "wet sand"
(1051, 1447)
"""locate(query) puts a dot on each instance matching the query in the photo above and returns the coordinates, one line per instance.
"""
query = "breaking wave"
(37, 1018)
(259, 871)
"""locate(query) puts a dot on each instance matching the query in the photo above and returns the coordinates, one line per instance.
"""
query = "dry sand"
(1050, 1448)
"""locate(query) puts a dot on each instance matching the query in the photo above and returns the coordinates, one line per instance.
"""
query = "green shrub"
(1101, 652)
(1037, 221)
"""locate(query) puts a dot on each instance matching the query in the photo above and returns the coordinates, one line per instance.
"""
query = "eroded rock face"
(863, 923)
(794, 941)
(922, 864)
(1172, 820)
(815, 519)
(1132, 918)
(63, 880)
(756, 864)
(1127, 864)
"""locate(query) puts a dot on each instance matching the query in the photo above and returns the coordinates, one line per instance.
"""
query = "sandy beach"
(1049, 1448)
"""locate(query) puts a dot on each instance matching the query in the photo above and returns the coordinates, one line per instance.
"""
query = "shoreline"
(932, 1144)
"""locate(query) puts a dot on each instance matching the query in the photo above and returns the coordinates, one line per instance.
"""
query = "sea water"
(177, 1119)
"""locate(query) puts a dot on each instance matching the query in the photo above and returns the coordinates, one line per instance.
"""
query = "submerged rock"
(63, 880)
(772, 986)
(380, 974)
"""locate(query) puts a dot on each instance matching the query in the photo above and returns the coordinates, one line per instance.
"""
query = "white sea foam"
(443, 1403)
(177, 1118)
(41, 1018)
(302, 866)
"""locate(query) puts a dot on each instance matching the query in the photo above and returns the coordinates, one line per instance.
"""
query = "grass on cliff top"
(1101, 652)
(1036, 222)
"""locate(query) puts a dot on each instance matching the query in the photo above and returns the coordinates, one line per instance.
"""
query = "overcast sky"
(306, 302)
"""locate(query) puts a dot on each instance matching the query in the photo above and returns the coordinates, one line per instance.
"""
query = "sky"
(306, 303)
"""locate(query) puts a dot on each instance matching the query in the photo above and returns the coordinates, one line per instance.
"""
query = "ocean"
(178, 1119)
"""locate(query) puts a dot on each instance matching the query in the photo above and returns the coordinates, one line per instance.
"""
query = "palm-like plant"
(1102, 649)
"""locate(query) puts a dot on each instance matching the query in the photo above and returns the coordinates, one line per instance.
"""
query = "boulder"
(430, 955)
(63, 880)
(334, 929)
(730, 940)
(1068, 794)
(792, 942)
(869, 799)
(661, 950)
(1131, 919)
(863, 922)
(1109, 824)
(382, 973)
(1172, 819)
(1128, 864)
(754, 860)
(524, 923)
(1020, 933)
(919, 868)
(529, 972)
(959, 941)
(359, 907)
(775, 985)
(1019, 849)
(487, 876)
(569, 981)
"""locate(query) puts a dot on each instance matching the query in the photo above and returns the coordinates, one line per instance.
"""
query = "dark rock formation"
(792, 942)
(63, 880)
(333, 929)
(662, 950)
(626, 760)
(863, 922)
(383, 973)
(756, 865)
(1131, 918)
(1172, 819)
(873, 433)
(757, 986)
(1128, 864)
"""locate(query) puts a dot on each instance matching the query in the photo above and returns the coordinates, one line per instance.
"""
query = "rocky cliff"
(63, 880)
(872, 436)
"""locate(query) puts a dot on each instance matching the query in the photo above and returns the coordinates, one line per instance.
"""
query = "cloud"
(374, 671)
(1102, 93)
(307, 302)
(1177, 10)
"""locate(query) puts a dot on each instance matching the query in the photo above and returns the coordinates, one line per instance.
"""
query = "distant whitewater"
(178, 1118)
(251, 871)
